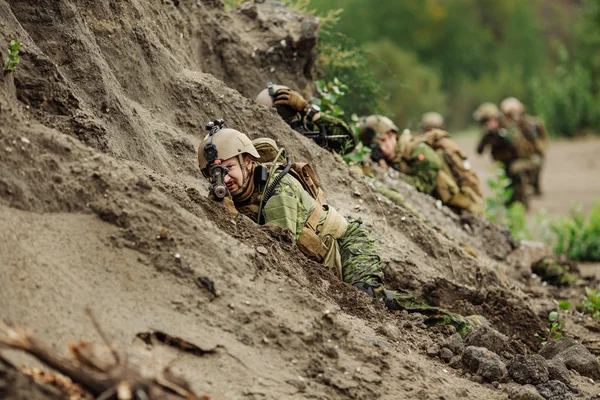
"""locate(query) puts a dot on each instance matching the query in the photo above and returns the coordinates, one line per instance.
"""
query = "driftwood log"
(102, 379)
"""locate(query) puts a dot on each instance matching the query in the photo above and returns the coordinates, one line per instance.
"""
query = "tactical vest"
(313, 240)
(454, 159)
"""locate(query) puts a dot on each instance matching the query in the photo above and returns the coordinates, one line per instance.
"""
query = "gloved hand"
(228, 202)
(290, 98)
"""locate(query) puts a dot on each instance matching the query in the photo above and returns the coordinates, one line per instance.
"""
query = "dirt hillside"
(103, 206)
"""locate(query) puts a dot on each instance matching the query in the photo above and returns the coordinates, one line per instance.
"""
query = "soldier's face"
(387, 142)
(236, 173)
(492, 124)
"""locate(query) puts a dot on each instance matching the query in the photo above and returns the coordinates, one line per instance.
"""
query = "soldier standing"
(508, 146)
(533, 129)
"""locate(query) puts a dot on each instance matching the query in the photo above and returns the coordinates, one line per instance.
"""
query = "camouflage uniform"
(509, 146)
(290, 207)
(534, 131)
(421, 165)
(331, 126)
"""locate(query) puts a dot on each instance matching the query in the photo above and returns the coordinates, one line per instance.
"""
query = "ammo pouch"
(321, 244)
(446, 187)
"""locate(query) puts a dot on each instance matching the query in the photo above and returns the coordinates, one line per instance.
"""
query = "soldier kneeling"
(288, 195)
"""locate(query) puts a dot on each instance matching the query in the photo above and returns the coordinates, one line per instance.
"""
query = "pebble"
(262, 250)
(25, 140)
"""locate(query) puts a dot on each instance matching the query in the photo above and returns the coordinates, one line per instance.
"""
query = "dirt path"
(571, 173)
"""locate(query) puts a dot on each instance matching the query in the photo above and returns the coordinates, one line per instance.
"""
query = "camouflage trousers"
(361, 264)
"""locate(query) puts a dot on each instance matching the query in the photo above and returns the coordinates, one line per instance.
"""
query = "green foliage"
(556, 324)
(591, 303)
(565, 101)
(413, 87)
(576, 236)
(341, 57)
(448, 55)
(496, 210)
(329, 95)
(13, 59)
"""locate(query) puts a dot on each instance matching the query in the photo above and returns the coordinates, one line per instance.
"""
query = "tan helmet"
(374, 126)
(512, 107)
(432, 120)
(486, 111)
(229, 143)
(265, 97)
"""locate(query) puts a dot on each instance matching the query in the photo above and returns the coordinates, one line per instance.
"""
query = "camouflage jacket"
(534, 130)
(506, 144)
(289, 207)
(420, 164)
(334, 127)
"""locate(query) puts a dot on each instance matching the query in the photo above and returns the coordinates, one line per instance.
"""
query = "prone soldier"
(288, 195)
(307, 119)
(432, 163)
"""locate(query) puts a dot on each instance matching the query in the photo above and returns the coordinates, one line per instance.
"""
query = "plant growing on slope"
(13, 59)
(591, 303)
(577, 236)
(556, 325)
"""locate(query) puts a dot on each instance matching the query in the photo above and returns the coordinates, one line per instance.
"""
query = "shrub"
(577, 236)
(13, 59)
(591, 303)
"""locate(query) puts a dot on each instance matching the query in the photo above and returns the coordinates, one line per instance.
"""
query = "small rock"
(177, 256)
(262, 250)
(558, 371)
(454, 343)
(390, 331)
(489, 338)
(297, 383)
(446, 354)
(526, 392)
(554, 390)
(25, 140)
(553, 347)
(484, 363)
(581, 360)
(433, 350)
(455, 362)
(528, 369)
(330, 352)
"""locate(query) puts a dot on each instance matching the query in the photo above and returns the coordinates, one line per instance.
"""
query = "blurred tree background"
(407, 57)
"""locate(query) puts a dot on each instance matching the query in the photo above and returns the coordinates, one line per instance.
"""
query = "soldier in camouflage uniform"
(508, 146)
(319, 230)
(419, 164)
(533, 129)
(307, 119)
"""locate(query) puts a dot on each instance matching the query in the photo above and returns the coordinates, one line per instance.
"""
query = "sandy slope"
(98, 133)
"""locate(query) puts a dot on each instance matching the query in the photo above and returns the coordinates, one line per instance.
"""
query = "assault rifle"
(320, 137)
(217, 171)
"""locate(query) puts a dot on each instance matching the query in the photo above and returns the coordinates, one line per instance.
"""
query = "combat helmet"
(486, 111)
(432, 120)
(229, 143)
(512, 107)
(375, 125)
(266, 97)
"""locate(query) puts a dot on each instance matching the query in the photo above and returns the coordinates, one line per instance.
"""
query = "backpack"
(453, 157)
(269, 151)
